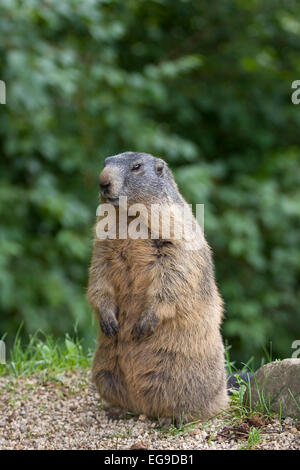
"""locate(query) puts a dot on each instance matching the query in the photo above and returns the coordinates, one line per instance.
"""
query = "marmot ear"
(159, 167)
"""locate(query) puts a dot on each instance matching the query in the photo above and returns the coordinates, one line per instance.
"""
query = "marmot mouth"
(112, 199)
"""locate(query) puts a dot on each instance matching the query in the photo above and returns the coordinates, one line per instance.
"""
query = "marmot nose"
(104, 185)
(104, 181)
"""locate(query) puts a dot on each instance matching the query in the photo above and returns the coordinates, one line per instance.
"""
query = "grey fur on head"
(141, 177)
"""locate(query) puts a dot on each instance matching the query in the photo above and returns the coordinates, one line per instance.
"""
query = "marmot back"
(160, 352)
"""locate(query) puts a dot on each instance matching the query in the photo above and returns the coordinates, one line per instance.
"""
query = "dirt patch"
(65, 413)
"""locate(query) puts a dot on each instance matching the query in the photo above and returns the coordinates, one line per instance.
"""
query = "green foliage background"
(205, 85)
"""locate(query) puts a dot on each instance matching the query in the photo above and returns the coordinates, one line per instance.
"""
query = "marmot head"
(140, 177)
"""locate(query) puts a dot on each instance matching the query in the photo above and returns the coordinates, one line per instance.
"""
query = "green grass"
(254, 439)
(239, 407)
(44, 353)
(176, 429)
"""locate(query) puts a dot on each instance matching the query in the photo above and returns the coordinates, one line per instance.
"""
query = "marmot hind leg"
(109, 381)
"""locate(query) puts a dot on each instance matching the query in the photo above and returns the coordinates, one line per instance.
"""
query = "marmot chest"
(134, 264)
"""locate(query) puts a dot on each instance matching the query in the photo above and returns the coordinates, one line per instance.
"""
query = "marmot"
(160, 352)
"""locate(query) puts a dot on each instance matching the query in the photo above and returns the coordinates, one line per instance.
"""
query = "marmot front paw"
(145, 326)
(109, 327)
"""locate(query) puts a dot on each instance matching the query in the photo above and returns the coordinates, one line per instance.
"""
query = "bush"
(207, 87)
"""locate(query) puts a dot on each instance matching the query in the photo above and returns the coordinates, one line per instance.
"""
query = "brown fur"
(160, 351)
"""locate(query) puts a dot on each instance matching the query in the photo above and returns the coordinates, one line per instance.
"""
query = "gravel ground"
(65, 413)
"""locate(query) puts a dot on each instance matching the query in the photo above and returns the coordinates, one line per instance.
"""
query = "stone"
(141, 445)
(143, 418)
(279, 385)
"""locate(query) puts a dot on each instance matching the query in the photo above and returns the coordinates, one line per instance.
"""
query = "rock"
(141, 445)
(255, 421)
(243, 428)
(143, 418)
(194, 432)
(278, 384)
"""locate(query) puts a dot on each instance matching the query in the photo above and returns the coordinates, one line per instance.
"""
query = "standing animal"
(160, 352)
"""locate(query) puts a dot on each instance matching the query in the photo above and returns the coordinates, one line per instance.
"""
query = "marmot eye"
(136, 167)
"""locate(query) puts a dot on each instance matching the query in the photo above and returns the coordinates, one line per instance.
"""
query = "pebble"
(74, 419)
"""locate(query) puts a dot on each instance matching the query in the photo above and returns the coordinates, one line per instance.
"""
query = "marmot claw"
(109, 327)
(145, 326)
